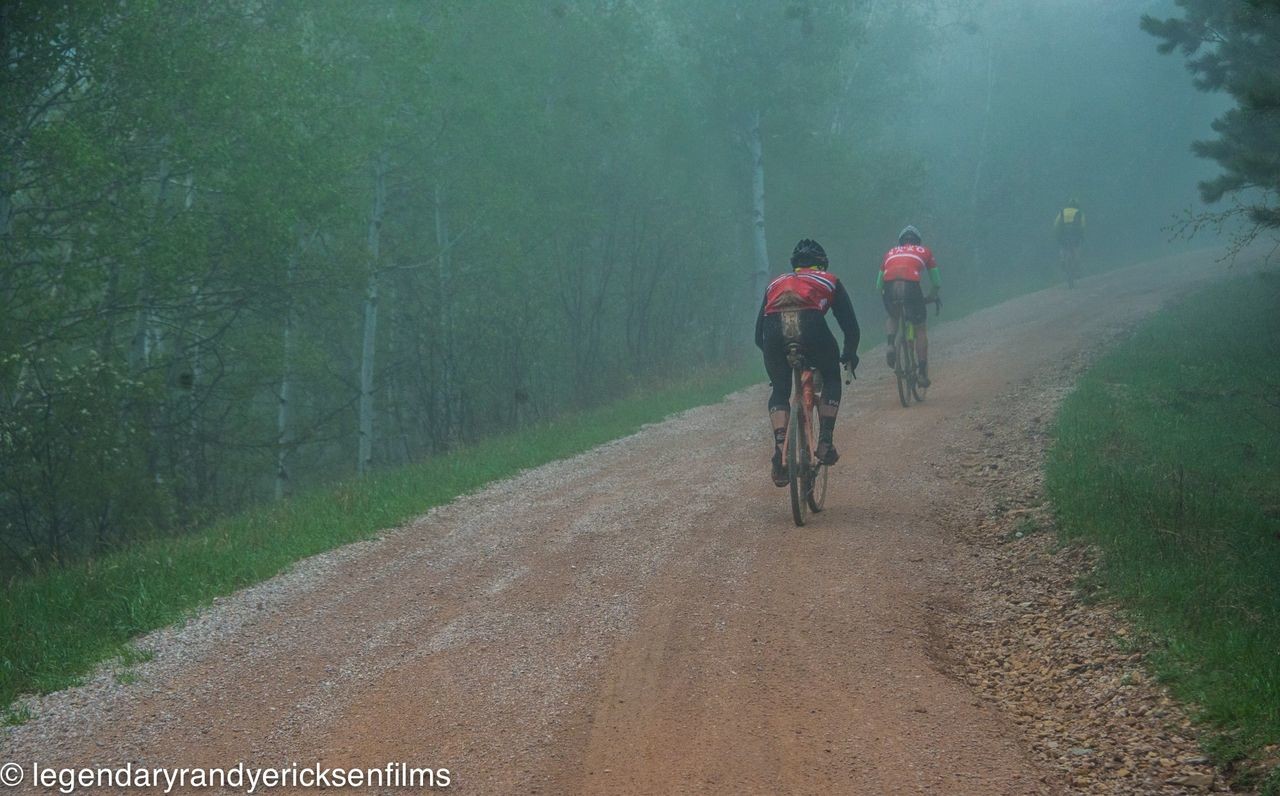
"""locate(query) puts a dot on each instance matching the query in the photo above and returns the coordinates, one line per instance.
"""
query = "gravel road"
(644, 618)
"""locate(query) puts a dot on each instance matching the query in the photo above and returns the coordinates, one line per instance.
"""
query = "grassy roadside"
(57, 626)
(1168, 459)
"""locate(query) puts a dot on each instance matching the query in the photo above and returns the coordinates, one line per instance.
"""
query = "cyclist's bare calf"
(827, 411)
(922, 336)
(778, 419)
(891, 329)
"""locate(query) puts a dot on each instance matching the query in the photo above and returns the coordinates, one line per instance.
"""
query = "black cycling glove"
(851, 359)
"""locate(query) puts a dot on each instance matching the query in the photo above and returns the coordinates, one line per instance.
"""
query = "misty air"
(640, 396)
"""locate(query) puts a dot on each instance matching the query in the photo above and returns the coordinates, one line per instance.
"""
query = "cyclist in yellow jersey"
(1068, 231)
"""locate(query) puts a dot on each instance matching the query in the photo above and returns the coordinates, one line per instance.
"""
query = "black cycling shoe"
(826, 453)
(922, 377)
(891, 358)
(779, 473)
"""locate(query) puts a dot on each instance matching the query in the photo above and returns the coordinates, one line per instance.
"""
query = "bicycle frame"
(803, 399)
(1069, 261)
(904, 344)
(807, 476)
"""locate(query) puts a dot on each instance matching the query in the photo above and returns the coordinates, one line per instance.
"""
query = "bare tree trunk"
(189, 191)
(974, 192)
(195, 454)
(755, 143)
(6, 205)
(365, 447)
(145, 336)
(8, 273)
(444, 280)
(868, 10)
(365, 451)
(283, 405)
(181, 376)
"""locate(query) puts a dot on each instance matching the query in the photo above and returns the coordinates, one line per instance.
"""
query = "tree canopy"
(248, 247)
(1234, 46)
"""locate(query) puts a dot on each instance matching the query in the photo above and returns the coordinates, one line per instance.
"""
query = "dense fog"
(249, 248)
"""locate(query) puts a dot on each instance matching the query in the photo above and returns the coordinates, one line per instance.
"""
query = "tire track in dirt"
(640, 618)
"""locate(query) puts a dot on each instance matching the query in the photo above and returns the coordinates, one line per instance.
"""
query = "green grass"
(1168, 459)
(56, 626)
(14, 716)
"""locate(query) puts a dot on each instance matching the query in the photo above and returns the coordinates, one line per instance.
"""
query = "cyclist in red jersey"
(904, 264)
(810, 290)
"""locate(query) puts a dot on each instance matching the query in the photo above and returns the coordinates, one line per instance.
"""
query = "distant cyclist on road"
(900, 272)
(810, 290)
(1068, 231)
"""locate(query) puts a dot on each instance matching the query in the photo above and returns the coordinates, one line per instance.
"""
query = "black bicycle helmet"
(807, 254)
(909, 234)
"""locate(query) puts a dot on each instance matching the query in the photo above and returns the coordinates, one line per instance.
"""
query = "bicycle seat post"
(795, 356)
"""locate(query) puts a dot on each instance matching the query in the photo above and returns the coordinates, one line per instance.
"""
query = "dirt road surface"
(643, 618)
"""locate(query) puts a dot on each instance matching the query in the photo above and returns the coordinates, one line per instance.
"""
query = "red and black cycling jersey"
(805, 289)
(907, 262)
(810, 290)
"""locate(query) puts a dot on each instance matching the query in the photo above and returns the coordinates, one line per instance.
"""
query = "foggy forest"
(251, 248)
(380, 395)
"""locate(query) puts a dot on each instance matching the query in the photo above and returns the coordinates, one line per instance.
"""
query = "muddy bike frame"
(807, 475)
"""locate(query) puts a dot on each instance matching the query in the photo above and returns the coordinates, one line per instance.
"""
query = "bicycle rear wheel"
(797, 449)
(900, 368)
(917, 389)
(1071, 265)
(816, 480)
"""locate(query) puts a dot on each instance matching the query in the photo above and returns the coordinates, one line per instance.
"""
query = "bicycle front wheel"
(816, 478)
(1070, 267)
(797, 460)
(917, 389)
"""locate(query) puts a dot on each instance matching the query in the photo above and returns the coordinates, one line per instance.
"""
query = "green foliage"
(186, 215)
(1234, 46)
(70, 474)
(1271, 783)
(1167, 458)
(15, 716)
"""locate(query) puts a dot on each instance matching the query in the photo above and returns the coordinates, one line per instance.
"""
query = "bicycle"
(807, 475)
(905, 369)
(1069, 261)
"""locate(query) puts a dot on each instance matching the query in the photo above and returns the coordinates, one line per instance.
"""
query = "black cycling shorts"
(912, 299)
(820, 352)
